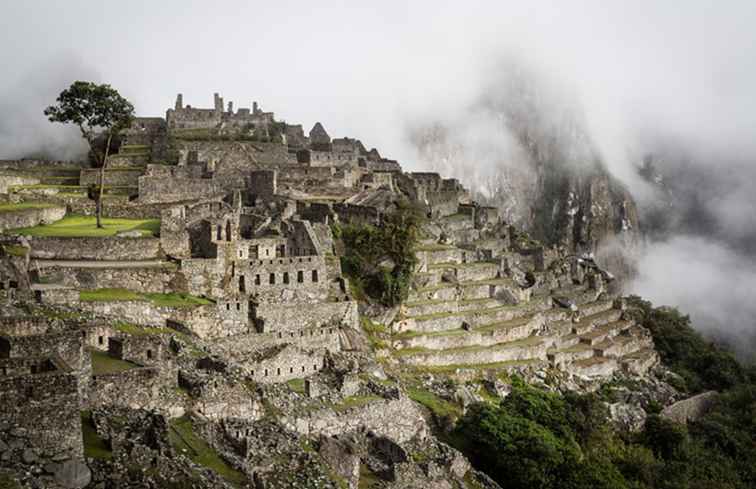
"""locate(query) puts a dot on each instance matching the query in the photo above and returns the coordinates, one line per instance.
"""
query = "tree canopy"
(92, 107)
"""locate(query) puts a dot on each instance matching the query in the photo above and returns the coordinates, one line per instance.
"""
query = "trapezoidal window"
(257, 279)
(272, 279)
(286, 277)
(300, 276)
(219, 234)
(242, 285)
(228, 230)
(314, 275)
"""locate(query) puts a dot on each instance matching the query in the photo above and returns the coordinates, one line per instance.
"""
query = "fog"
(671, 78)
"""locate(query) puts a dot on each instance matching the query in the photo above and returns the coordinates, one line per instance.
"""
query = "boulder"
(627, 417)
(73, 474)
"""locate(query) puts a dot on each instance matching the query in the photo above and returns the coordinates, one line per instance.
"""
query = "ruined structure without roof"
(222, 306)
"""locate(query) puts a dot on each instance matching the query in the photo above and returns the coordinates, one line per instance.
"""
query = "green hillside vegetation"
(380, 260)
(534, 438)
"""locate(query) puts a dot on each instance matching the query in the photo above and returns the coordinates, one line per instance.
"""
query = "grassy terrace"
(73, 226)
(439, 407)
(102, 363)
(184, 440)
(451, 368)
(354, 401)
(94, 445)
(519, 307)
(530, 341)
(22, 206)
(474, 264)
(160, 300)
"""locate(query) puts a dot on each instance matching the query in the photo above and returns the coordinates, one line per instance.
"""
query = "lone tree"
(97, 110)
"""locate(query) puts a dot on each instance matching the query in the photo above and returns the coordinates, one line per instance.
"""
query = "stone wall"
(289, 317)
(146, 349)
(137, 388)
(145, 279)
(273, 276)
(159, 189)
(27, 218)
(398, 419)
(111, 248)
(284, 362)
(24, 164)
(43, 409)
(67, 345)
(10, 180)
(691, 409)
(114, 177)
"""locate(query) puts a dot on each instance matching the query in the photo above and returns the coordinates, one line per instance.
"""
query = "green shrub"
(380, 260)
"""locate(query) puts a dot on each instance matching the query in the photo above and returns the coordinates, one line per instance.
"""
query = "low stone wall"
(158, 189)
(138, 388)
(43, 410)
(24, 164)
(147, 279)
(142, 313)
(26, 218)
(114, 178)
(10, 180)
(67, 345)
(95, 248)
(691, 409)
(504, 353)
(290, 317)
(398, 419)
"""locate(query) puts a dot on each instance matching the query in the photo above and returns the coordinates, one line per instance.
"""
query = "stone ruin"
(246, 206)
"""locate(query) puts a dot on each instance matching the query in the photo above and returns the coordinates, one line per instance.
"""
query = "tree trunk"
(98, 206)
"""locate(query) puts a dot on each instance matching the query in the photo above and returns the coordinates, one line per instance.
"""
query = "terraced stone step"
(564, 356)
(487, 335)
(441, 306)
(604, 331)
(530, 348)
(639, 362)
(448, 321)
(464, 272)
(443, 291)
(594, 367)
(596, 307)
(588, 323)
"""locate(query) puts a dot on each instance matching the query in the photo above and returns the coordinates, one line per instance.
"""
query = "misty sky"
(681, 69)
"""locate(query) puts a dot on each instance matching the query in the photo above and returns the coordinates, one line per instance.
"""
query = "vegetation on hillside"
(380, 260)
(538, 439)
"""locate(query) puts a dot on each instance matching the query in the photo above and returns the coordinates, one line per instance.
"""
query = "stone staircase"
(463, 313)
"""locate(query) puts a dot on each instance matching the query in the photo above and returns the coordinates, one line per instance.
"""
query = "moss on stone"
(22, 206)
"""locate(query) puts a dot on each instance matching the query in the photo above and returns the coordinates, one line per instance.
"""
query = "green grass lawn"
(22, 206)
(74, 226)
(161, 300)
(94, 445)
(102, 363)
(439, 407)
(184, 440)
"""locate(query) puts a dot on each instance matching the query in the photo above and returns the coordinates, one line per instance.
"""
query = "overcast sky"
(363, 69)
(683, 69)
